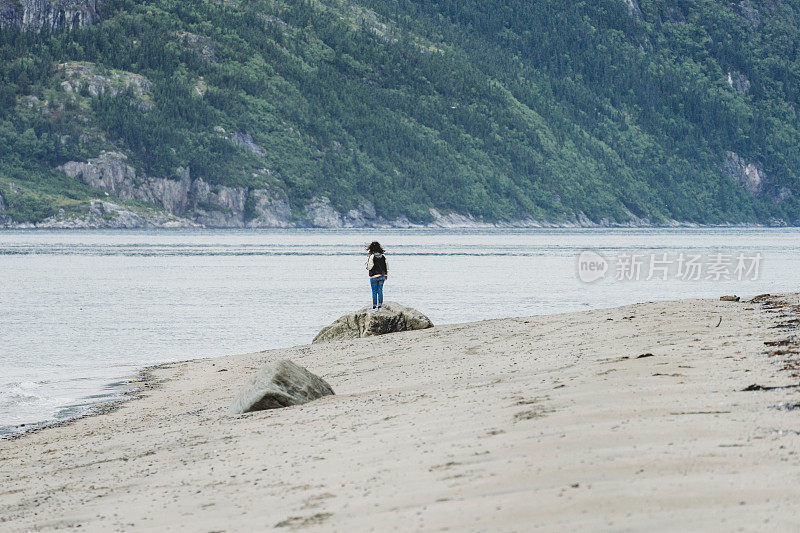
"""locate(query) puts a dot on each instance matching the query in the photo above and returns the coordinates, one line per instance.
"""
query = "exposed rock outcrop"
(110, 172)
(738, 81)
(321, 214)
(194, 201)
(746, 10)
(455, 220)
(279, 384)
(365, 215)
(749, 175)
(244, 140)
(102, 214)
(217, 206)
(202, 46)
(269, 210)
(52, 15)
(633, 9)
(368, 322)
(96, 81)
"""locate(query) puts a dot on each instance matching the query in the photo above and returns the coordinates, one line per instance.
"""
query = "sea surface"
(82, 311)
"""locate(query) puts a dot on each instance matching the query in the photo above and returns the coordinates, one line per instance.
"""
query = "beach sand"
(551, 422)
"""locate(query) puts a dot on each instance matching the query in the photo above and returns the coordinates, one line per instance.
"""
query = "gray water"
(82, 310)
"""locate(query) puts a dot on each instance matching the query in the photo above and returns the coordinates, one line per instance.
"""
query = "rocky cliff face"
(633, 9)
(749, 176)
(746, 10)
(52, 15)
(321, 214)
(191, 201)
(216, 206)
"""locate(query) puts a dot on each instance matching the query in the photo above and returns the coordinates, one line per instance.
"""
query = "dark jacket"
(377, 265)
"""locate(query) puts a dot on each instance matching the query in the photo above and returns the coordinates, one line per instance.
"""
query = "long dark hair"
(375, 248)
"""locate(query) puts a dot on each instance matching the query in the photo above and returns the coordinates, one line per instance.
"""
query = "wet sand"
(622, 419)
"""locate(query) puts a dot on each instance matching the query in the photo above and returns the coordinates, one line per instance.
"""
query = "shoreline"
(521, 225)
(560, 372)
(132, 385)
(130, 390)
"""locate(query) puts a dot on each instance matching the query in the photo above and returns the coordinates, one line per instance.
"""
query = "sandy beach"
(621, 419)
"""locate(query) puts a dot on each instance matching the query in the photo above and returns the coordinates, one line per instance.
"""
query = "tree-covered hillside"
(547, 110)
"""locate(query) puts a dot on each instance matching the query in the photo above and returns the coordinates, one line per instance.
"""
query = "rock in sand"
(367, 322)
(279, 384)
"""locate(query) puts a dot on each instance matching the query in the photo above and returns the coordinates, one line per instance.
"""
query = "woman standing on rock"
(378, 272)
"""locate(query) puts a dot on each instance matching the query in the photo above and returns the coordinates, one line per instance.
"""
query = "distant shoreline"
(476, 226)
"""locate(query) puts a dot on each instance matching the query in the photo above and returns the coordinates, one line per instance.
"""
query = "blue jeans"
(377, 290)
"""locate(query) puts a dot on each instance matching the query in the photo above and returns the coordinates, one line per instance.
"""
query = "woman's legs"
(373, 282)
(377, 290)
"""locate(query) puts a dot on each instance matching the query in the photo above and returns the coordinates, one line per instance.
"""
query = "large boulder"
(366, 322)
(279, 384)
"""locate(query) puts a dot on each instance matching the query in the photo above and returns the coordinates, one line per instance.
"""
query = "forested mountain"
(329, 112)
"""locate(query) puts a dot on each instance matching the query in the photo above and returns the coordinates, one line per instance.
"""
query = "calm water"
(81, 310)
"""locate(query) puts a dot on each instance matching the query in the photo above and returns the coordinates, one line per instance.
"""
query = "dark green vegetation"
(497, 109)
